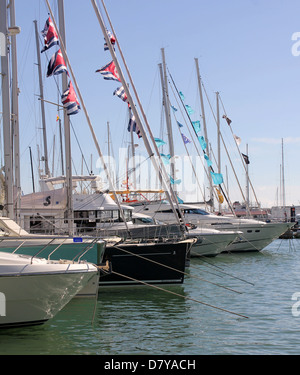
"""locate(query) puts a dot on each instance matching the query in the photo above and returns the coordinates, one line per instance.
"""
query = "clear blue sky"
(244, 49)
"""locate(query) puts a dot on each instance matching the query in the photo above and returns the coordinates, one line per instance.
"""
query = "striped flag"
(56, 64)
(50, 35)
(120, 92)
(70, 101)
(112, 41)
(133, 126)
(109, 71)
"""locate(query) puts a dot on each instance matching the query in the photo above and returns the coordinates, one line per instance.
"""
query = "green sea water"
(183, 320)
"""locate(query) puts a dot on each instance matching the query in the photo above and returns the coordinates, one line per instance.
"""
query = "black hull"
(133, 268)
(22, 324)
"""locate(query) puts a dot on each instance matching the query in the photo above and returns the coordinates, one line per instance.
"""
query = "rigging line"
(180, 295)
(152, 89)
(82, 154)
(211, 168)
(174, 269)
(195, 174)
(120, 178)
(195, 143)
(250, 243)
(214, 159)
(241, 190)
(243, 161)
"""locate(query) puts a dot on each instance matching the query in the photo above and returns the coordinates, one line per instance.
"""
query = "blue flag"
(196, 126)
(185, 139)
(209, 163)
(179, 200)
(159, 142)
(217, 178)
(202, 142)
(174, 181)
(189, 109)
(166, 158)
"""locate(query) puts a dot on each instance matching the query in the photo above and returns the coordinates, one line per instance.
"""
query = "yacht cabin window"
(102, 216)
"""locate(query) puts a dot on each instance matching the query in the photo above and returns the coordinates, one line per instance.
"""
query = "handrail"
(43, 248)
(88, 247)
(56, 249)
(88, 241)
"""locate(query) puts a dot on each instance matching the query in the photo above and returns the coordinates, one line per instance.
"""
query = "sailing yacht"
(254, 235)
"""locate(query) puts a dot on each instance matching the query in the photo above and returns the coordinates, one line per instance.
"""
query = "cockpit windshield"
(195, 211)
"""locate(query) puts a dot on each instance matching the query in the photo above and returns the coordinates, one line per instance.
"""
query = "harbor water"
(257, 313)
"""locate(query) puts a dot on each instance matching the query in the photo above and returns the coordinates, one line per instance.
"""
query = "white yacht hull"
(32, 293)
(210, 243)
(256, 237)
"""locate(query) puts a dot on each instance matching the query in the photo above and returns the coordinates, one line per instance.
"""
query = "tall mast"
(66, 125)
(61, 147)
(218, 137)
(15, 109)
(247, 178)
(6, 114)
(32, 174)
(53, 155)
(204, 125)
(108, 140)
(133, 158)
(282, 176)
(164, 82)
(47, 170)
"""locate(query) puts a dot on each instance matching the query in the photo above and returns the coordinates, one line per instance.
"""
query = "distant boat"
(210, 242)
(255, 235)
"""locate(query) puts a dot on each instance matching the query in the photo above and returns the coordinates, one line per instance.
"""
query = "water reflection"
(142, 320)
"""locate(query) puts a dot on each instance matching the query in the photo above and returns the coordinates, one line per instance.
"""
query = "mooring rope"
(180, 295)
(174, 269)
